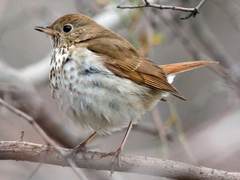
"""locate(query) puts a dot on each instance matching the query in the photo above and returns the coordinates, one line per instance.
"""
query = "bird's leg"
(82, 145)
(117, 152)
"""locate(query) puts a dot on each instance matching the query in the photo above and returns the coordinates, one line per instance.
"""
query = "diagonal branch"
(192, 11)
(30, 120)
(26, 151)
(44, 136)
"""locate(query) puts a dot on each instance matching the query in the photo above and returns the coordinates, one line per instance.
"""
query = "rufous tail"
(184, 66)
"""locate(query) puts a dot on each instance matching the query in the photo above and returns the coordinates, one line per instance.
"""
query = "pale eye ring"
(67, 28)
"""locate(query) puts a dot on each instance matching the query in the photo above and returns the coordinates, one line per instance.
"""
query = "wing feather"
(123, 60)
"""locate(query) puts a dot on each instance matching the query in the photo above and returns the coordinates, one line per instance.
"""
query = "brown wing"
(123, 60)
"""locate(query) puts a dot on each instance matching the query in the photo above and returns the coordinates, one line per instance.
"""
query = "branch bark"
(26, 151)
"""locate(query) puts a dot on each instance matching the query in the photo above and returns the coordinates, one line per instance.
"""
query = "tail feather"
(184, 66)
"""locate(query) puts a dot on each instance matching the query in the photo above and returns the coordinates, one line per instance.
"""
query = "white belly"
(96, 98)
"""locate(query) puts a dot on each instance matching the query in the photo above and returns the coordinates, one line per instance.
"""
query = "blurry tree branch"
(192, 11)
(26, 151)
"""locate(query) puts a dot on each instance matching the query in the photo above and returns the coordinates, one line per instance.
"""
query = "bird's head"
(71, 29)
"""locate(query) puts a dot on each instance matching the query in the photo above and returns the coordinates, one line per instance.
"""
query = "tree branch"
(26, 151)
(192, 11)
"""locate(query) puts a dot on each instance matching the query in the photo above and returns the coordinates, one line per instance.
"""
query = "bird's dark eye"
(67, 28)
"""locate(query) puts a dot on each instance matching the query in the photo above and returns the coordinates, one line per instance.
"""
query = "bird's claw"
(79, 148)
(115, 158)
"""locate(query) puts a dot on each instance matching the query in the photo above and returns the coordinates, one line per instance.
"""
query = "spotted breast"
(92, 95)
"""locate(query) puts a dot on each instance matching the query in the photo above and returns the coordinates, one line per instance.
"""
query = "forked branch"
(192, 11)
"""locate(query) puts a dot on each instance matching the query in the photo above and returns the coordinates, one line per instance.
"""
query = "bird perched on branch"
(101, 79)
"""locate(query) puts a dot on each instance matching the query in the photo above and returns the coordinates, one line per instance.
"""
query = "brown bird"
(101, 79)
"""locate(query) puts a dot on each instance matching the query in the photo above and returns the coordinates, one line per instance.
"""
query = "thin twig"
(26, 151)
(193, 11)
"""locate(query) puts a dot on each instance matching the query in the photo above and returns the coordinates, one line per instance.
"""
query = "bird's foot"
(74, 151)
(80, 148)
(115, 158)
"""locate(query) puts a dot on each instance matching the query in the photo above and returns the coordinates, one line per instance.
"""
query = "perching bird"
(101, 80)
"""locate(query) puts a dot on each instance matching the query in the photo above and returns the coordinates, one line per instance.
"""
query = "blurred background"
(202, 131)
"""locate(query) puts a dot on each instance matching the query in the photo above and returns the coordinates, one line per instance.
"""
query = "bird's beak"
(46, 30)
